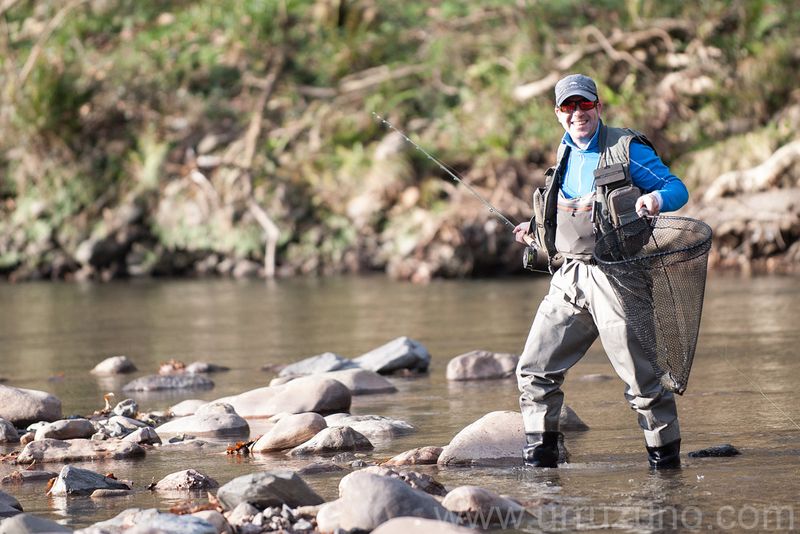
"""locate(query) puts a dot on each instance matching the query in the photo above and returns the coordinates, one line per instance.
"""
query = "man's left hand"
(648, 203)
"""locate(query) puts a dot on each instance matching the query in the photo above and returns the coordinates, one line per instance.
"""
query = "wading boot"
(541, 449)
(666, 456)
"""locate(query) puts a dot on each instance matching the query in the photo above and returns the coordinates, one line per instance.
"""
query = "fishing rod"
(453, 175)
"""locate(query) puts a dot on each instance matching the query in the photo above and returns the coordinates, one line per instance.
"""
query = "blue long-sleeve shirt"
(648, 172)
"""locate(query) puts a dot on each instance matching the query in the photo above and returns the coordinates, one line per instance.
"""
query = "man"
(597, 166)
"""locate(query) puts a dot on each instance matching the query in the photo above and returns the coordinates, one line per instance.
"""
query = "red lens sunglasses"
(584, 105)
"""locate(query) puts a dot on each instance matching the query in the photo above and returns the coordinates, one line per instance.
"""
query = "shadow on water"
(52, 334)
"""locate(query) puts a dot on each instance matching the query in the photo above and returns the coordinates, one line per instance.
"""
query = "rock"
(362, 381)
(165, 382)
(78, 481)
(400, 353)
(290, 431)
(336, 439)
(187, 407)
(482, 507)
(205, 367)
(305, 394)
(416, 480)
(319, 467)
(216, 519)
(152, 521)
(717, 451)
(496, 439)
(366, 500)
(417, 525)
(268, 488)
(66, 429)
(76, 450)
(418, 456)
(25, 476)
(126, 408)
(188, 479)
(110, 493)
(242, 514)
(482, 365)
(30, 524)
(321, 363)
(8, 511)
(10, 501)
(569, 420)
(118, 426)
(212, 419)
(374, 427)
(21, 407)
(143, 436)
(115, 365)
(8, 432)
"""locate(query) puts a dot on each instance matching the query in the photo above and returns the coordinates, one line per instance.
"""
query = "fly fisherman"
(603, 177)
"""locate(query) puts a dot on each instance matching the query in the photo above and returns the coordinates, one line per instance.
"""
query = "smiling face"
(580, 124)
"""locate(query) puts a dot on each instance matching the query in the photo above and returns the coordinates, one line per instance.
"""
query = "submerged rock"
(268, 488)
(25, 476)
(336, 439)
(717, 451)
(482, 365)
(483, 506)
(321, 363)
(77, 481)
(115, 365)
(290, 431)
(188, 479)
(400, 353)
(152, 520)
(27, 523)
(205, 367)
(21, 407)
(419, 456)
(164, 382)
(75, 450)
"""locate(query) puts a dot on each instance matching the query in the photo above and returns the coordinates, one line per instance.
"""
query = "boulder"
(166, 382)
(479, 506)
(268, 488)
(321, 363)
(77, 481)
(66, 429)
(374, 427)
(367, 500)
(143, 436)
(290, 431)
(8, 432)
(305, 394)
(187, 407)
(400, 353)
(417, 525)
(152, 520)
(212, 419)
(76, 450)
(336, 439)
(30, 524)
(21, 407)
(418, 456)
(116, 365)
(362, 381)
(188, 479)
(496, 439)
(482, 365)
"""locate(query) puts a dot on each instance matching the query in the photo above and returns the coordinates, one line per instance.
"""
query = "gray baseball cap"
(575, 84)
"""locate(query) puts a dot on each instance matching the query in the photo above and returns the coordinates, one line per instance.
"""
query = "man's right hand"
(520, 231)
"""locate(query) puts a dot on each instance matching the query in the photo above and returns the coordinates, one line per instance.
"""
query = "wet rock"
(321, 363)
(305, 394)
(110, 493)
(66, 429)
(78, 481)
(25, 476)
(118, 426)
(268, 488)
(319, 467)
(482, 365)
(212, 419)
(366, 500)
(151, 520)
(362, 381)
(165, 382)
(242, 514)
(9, 505)
(216, 519)
(187, 407)
(8, 432)
(116, 365)
(374, 427)
(482, 506)
(290, 431)
(205, 367)
(30, 524)
(76, 450)
(717, 451)
(143, 436)
(126, 408)
(21, 407)
(400, 353)
(188, 479)
(496, 439)
(417, 525)
(336, 439)
(418, 456)
(27, 438)
(420, 481)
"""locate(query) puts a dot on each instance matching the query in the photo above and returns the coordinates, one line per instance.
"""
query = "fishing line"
(454, 175)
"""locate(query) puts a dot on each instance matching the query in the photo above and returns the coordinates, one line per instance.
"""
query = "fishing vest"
(568, 228)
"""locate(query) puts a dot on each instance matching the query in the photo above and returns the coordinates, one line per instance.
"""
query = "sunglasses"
(583, 105)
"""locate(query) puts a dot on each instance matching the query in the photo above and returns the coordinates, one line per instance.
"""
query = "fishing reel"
(533, 260)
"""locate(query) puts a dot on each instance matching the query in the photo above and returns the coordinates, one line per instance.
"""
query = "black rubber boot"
(541, 449)
(665, 457)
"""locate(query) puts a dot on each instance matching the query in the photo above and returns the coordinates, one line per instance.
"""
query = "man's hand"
(649, 204)
(520, 231)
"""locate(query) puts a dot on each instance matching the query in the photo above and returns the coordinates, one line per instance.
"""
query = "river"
(743, 388)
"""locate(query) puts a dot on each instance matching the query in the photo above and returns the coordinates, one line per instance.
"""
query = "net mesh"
(657, 267)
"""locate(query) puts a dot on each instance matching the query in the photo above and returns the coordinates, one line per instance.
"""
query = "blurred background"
(236, 138)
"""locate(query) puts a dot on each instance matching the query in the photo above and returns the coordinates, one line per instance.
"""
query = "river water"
(743, 389)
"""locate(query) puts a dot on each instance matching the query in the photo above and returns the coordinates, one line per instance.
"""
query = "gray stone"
(166, 382)
(143, 436)
(76, 450)
(138, 521)
(216, 519)
(78, 481)
(118, 426)
(321, 363)
(400, 353)
(8, 432)
(188, 479)
(336, 439)
(205, 367)
(419, 456)
(268, 488)
(242, 514)
(25, 476)
(420, 481)
(418, 525)
(483, 507)
(21, 407)
(66, 429)
(362, 381)
(482, 365)
(115, 365)
(30, 524)
(374, 427)
(212, 419)
(305, 394)
(127, 408)
(290, 431)
(187, 407)
(110, 493)
(10, 501)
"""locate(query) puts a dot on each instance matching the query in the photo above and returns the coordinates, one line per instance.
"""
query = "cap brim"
(578, 92)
